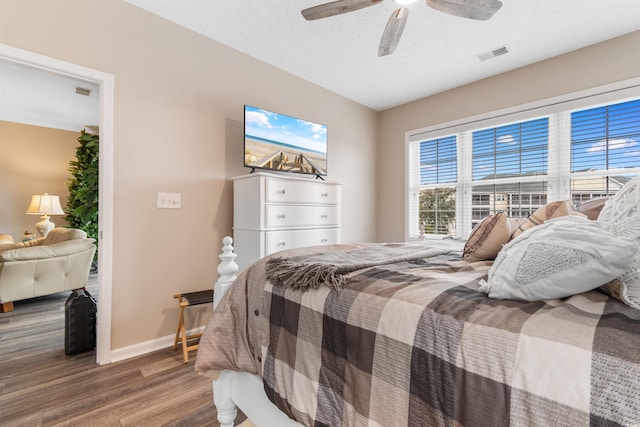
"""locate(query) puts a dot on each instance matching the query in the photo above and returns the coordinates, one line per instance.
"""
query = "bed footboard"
(242, 390)
(227, 269)
(227, 409)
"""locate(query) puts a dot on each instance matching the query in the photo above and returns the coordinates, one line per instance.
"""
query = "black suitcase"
(79, 322)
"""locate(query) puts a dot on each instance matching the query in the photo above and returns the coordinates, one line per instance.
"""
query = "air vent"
(83, 91)
(493, 53)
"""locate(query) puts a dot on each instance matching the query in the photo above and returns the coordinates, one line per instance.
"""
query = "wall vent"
(83, 91)
(485, 56)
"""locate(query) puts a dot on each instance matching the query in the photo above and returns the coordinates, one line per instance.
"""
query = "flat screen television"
(277, 142)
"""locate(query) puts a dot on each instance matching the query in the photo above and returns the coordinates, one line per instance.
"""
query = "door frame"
(105, 197)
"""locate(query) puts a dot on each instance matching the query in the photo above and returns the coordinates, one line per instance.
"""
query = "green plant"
(437, 210)
(82, 206)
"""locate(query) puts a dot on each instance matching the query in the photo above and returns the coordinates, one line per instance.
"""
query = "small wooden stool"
(185, 300)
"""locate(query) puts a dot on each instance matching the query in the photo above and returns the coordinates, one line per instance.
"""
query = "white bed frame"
(242, 390)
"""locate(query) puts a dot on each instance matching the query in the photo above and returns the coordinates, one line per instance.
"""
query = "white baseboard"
(146, 347)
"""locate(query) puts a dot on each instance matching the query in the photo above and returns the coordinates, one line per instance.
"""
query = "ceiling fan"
(472, 9)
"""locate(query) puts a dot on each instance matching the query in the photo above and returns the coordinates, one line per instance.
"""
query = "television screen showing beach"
(279, 142)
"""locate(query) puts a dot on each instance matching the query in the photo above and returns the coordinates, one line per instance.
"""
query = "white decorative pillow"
(562, 257)
(621, 216)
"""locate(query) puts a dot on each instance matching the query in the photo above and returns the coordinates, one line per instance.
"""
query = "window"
(438, 161)
(504, 155)
(606, 137)
(433, 186)
(605, 147)
(437, 210)
(518, 149)
(469, 171)
(481, 199)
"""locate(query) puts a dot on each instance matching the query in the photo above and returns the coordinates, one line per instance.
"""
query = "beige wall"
(604, 63)
(178, 128)
(33, 160)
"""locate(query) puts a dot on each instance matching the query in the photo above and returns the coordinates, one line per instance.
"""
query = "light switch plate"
(169, 200)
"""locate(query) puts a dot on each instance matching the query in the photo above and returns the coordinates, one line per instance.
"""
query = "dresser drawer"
(283, 216)
(291, 239)
(305, 192)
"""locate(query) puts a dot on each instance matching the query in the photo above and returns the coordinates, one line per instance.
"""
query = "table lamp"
(44, 205)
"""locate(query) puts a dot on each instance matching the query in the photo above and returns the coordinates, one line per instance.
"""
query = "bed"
(423, 334)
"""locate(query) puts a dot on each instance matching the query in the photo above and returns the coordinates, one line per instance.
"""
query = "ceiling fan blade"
(336, 8)
(393, 31)
(481, 10)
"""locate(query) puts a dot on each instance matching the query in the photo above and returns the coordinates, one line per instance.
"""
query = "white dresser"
(275, 212)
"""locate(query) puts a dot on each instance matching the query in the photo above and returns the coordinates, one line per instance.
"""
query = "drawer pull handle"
(282, 244)
(283, 216)
(324, 195)
(324, 216)
(283, 191)
(324, 240)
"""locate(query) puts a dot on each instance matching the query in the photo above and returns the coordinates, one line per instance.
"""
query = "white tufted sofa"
(56, 263)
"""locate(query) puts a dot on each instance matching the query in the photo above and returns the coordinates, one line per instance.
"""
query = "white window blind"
(516, 166)
(505, 155)
(433, 190)
(517, 149)
(438, 161)
(605, 149)
(606, 137)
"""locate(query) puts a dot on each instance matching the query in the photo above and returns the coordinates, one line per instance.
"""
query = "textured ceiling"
(437, 51)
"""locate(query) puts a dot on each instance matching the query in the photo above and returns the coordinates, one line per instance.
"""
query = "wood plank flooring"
(41, 386)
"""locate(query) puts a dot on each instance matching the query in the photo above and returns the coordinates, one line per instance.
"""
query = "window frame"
(559, 175)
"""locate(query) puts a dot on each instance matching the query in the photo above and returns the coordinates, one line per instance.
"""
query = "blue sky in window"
(438, 161)
(606, 137)
(285, 130)
(513, 149)
(601, 138)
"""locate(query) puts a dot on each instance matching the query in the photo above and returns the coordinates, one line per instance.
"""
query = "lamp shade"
(45, 205)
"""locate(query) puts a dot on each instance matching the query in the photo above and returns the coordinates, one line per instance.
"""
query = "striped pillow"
(543, 213)
(488, 237)
(592, 207)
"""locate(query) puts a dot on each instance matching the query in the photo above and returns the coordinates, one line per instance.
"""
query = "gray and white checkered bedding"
(415, 343)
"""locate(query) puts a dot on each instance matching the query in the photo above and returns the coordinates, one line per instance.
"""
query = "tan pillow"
(18, 245)
(34, 242)
(62, 234)
(488, 237)
(5, 239)
(543, 213)
(9, 246)
(591, 208)
(627, 293)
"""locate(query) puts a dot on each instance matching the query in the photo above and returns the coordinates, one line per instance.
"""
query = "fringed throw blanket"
(330, 268)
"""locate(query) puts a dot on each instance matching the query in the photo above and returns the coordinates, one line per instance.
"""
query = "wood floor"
(41, 386)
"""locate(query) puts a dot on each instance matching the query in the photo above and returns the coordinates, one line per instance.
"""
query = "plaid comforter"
(415, 343)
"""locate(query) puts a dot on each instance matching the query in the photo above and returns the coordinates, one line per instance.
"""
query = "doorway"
(105, 209)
